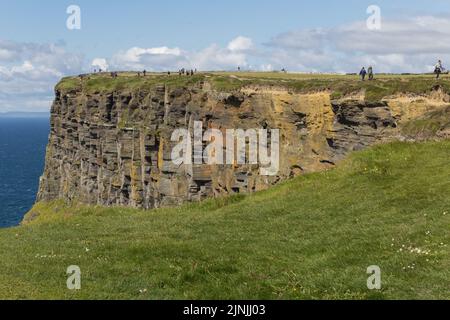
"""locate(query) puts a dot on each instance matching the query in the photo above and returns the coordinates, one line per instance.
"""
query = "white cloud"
(152, 59)
(240, 44)
(217, 58)
(266, 67)
(100, 63)
(408, 45)
(29, 72)
(212, 57)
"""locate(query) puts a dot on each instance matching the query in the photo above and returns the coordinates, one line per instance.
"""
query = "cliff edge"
(111, 138)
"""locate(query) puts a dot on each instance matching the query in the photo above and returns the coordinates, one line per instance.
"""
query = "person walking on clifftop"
(363, 73)
(438, 68)
(370, 73)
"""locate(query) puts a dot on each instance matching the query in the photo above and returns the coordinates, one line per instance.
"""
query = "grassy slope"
(312, 237)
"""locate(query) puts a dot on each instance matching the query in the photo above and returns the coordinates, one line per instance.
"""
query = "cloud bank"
(28, 71)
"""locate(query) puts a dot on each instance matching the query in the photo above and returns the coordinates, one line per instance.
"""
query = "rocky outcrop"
(114, 147)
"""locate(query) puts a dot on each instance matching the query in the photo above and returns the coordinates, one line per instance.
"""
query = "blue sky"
(36, 48)
(108, 26)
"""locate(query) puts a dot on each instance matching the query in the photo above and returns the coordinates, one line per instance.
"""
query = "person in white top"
(438, 69)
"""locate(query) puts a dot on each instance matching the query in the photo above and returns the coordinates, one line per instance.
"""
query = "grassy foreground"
(309, 238)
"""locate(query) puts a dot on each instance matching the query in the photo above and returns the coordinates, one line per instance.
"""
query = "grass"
(429, 125)
(309, 238)
(95, 83)
(338, 85)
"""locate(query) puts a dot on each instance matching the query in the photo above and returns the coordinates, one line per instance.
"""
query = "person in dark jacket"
(363, 73)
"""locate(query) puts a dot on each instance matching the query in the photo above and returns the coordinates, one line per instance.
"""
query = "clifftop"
(339, 85)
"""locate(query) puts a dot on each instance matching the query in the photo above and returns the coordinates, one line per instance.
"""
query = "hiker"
(138, 74)
(239, 68)
(370, 72)
(192, 72)
(438, 69)
(144, 72)
(363, 73)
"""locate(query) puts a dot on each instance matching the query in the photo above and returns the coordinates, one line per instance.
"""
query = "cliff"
(110, 140)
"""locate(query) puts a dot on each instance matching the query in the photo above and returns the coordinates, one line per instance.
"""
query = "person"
(438, 69)
(370, 72)
(363, 73)
(192, 72)
(144, 72)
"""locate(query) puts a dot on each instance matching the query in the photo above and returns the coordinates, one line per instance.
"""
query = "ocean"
(22, 153)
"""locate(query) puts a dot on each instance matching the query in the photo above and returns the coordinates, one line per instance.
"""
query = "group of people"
(363, 73)
(438, 70)
(143, 72)
(187, 72)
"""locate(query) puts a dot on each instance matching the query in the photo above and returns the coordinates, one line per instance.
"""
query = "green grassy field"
(309, 238)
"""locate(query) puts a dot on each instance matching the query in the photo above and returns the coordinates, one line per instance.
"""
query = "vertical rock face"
(114, 148)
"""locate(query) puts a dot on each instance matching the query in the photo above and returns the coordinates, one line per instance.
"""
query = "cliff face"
(113, 147)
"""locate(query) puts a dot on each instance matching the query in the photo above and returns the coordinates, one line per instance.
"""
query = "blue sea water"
(22, 154)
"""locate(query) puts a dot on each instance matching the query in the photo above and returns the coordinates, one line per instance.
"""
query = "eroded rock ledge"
(113, 147)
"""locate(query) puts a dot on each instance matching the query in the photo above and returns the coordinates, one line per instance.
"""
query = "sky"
(37, 48)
